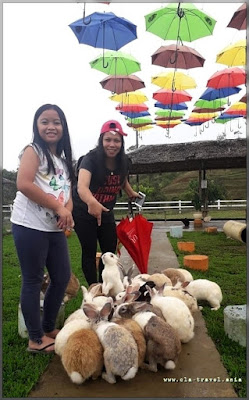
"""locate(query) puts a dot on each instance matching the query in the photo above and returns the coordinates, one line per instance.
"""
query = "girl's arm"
(25, 183)
(94, 207)
(129, 191)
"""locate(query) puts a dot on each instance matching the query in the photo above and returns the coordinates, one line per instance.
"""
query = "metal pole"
(137, 176)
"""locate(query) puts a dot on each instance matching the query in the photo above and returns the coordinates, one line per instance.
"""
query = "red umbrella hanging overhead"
(132, 107)
(177, 56)
(238, 20)
(135, 235)
(167, 96)
(122, 83)
(228, 77)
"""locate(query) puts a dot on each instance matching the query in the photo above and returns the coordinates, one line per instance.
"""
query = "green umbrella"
(211, 103)
(140, 120)
(222, 121)
(167, 113)
(180, 21)
(118, 63)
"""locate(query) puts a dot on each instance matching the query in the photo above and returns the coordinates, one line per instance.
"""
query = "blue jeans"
(35, 250)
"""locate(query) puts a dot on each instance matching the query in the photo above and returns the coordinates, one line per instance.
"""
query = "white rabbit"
(78, 314)
(120, 349)
(183, 295)
(163, 343)
(141, 279)
(67, 330)
(188, 276)
(91, 296)
(112, 283)
(82, 356)
(176, 313)
(159, 279)
(203, 289)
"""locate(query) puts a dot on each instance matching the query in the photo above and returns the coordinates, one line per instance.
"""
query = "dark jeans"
(89, 233)
(35, 250)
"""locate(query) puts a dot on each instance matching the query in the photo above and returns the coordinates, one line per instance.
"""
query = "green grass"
(227, 267)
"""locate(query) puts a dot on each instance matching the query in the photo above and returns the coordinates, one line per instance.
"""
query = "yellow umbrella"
(143, 128)
(169, 122)
(233, 55)
(238, 106)
(204, 115)
(130, 97)
(174, 80)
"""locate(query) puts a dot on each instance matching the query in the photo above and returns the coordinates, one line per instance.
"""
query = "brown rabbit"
(82, 356)
(71, 290)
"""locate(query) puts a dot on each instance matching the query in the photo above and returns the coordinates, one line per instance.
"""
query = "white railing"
(161, 206)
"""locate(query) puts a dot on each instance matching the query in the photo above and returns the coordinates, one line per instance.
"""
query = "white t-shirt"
(32, 215)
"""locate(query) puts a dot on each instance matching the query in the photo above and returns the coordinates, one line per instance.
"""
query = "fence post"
(180, 206)
(218, 204)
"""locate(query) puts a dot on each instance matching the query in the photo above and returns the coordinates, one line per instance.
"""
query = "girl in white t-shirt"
(42, 211)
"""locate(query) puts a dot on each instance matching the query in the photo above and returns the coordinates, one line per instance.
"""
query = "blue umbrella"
(135, 115)
(179, 106)
(230, 116)
(212, 94)
(104, 30)
(193, 123)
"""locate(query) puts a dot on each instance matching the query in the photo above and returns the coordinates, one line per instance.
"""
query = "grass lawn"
(227, 266)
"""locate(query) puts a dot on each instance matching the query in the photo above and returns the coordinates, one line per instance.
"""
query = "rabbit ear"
(90, 311)
(105, 311)
(151, 291)
(84, 290)
(139, 306)
(95, 290)
(184, 284)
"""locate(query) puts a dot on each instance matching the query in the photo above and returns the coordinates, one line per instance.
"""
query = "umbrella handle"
(239, 127)
(84, 15)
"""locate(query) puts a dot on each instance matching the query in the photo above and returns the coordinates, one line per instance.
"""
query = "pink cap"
(112, 126)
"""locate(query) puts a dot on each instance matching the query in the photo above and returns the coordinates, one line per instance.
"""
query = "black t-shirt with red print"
(105, 192)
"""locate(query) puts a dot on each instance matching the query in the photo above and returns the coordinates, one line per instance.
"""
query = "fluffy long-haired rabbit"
(67, 330)
(112, 283)
(176, 313)
(120, 349)
(203, 289)
(163, 343)
(82, 356)
(183, 295)
(136, 331)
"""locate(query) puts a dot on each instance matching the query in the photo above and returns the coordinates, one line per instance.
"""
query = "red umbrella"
(238, 20)
(132, 107)
(135, 235)
(177, 56)
(236, 112)
(228, 77)
(122, 83)
(167, 96)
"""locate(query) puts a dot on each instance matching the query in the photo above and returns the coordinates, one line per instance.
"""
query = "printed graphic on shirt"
(107, 193)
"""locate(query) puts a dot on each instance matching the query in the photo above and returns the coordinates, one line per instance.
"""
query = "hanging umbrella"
(238, 106)
(134, 114)
(222, 120)
(230, 116)
(232, 76)
(132, 107)
(143, 128)
(174, 80)
(179, 106)
(212, 94)
(205, 110)
(241, 113)
(238, 20)
(167, 96)
(243, 99)
(179, 20)
(135, 126)
(233, 55)
(167, 113)
(209, 115)
(141, 120)
(104, 30)
(130, 97)
(193, 123)
(122, 83)
(119, 63)
(168, 118)
(168, 124)
(177, 56)
(210, 104)
(135, 235)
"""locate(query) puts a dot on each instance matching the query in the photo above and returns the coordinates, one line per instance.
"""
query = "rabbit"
(140, 278)
(67, 330)
(183, 295)
(174, 274)
(126, 275)
(133, 327)
(188, 276)
(82, 356)
(120, 349)
(144, 294)
(78, 314)
(71, 289)
(159, 279)
(163, 343)
(129, 294)
(112, 283)
(175, 312)
(91, 296)
(203, 289)
(123, 310)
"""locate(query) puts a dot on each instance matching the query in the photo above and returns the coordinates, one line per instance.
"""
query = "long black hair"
(121, 161)
(63, 148)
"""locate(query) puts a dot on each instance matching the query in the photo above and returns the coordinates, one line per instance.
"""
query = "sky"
(43, 62)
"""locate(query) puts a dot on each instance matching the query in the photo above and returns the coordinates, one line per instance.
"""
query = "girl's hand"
(65, 219)
(96, 209)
